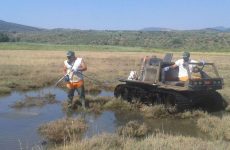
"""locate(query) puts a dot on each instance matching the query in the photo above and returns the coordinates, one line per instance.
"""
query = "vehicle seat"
(150, 74)
(171, 77)
(172, 74)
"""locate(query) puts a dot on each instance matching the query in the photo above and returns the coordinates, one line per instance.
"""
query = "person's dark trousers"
(81, 93)
(70, 97)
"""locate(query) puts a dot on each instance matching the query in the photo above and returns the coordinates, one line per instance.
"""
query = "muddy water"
(18, 127)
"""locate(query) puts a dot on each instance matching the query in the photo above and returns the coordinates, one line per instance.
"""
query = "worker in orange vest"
(73, 67)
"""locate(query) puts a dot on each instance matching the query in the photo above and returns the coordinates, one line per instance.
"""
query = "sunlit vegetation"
(218, 128)
(133, 129)
(154, 141)
(25, 69)
(63, 130)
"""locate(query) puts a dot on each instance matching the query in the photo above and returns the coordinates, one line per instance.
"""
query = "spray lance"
(66, 77)
(97, 82)
(63, 77)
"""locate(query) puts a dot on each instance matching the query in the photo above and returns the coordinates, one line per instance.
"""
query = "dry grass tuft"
(156, 111)
(227, 108)
(133, 129)
(102, 142)
(118, 104)
(35, 101)
(174, 142)
(159, 141)
(191, 114)
(159, 111)
(63, 129)
(95, 103)
(4, 90)
(218, 128)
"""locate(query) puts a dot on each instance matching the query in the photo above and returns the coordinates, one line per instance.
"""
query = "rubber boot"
(83, 103)
(69, 103)
(81, 92)
(70, 98)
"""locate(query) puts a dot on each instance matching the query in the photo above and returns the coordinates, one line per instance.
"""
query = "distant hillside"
(220, 28)
(156, 29)
(13, 27)
(210, 39)
(217, 29)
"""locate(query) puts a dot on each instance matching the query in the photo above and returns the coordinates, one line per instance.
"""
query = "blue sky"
(117, 14)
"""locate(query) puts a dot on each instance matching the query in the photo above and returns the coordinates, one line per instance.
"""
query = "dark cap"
(70, 53)
(186, 55)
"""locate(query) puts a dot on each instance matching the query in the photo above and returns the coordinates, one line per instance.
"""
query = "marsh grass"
(133, 129)
(158, 141)
(227, 108)
(29, 69)
(191, 114)
(159, 111)
(63, 130)
(5, 90)
(97, 104)
(102, 142)
(30, 101)
(118, 104)
(217, 128)
(156, 111)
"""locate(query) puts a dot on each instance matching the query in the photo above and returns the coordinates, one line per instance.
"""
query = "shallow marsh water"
(18, 127)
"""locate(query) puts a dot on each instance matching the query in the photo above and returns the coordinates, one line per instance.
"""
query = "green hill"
(210, 39)
(13, 27)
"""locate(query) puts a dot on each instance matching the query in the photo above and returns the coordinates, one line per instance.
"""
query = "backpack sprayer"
(67, 74)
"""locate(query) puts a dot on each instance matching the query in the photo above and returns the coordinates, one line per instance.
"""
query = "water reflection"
(19, 126)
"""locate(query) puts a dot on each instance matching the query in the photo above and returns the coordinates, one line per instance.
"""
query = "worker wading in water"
(74, 66)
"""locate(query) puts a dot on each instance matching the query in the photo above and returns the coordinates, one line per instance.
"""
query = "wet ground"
(18, 127)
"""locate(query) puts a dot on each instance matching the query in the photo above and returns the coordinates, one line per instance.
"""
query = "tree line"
(195, 40)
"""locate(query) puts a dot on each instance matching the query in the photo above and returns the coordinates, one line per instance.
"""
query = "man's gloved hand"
(202, 61)
(66, 78)
(166, 68)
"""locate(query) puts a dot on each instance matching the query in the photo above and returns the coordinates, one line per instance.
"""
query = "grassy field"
(36, 46)
(103, 48)
(36, 68)
(29, 69)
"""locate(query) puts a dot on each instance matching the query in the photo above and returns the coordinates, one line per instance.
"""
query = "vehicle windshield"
(204, 71)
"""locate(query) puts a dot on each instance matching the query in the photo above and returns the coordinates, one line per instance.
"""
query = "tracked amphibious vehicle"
(155, 86)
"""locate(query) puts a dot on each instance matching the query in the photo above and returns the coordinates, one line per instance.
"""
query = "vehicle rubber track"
(208, 100)
(181, 101)
(152, 95)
